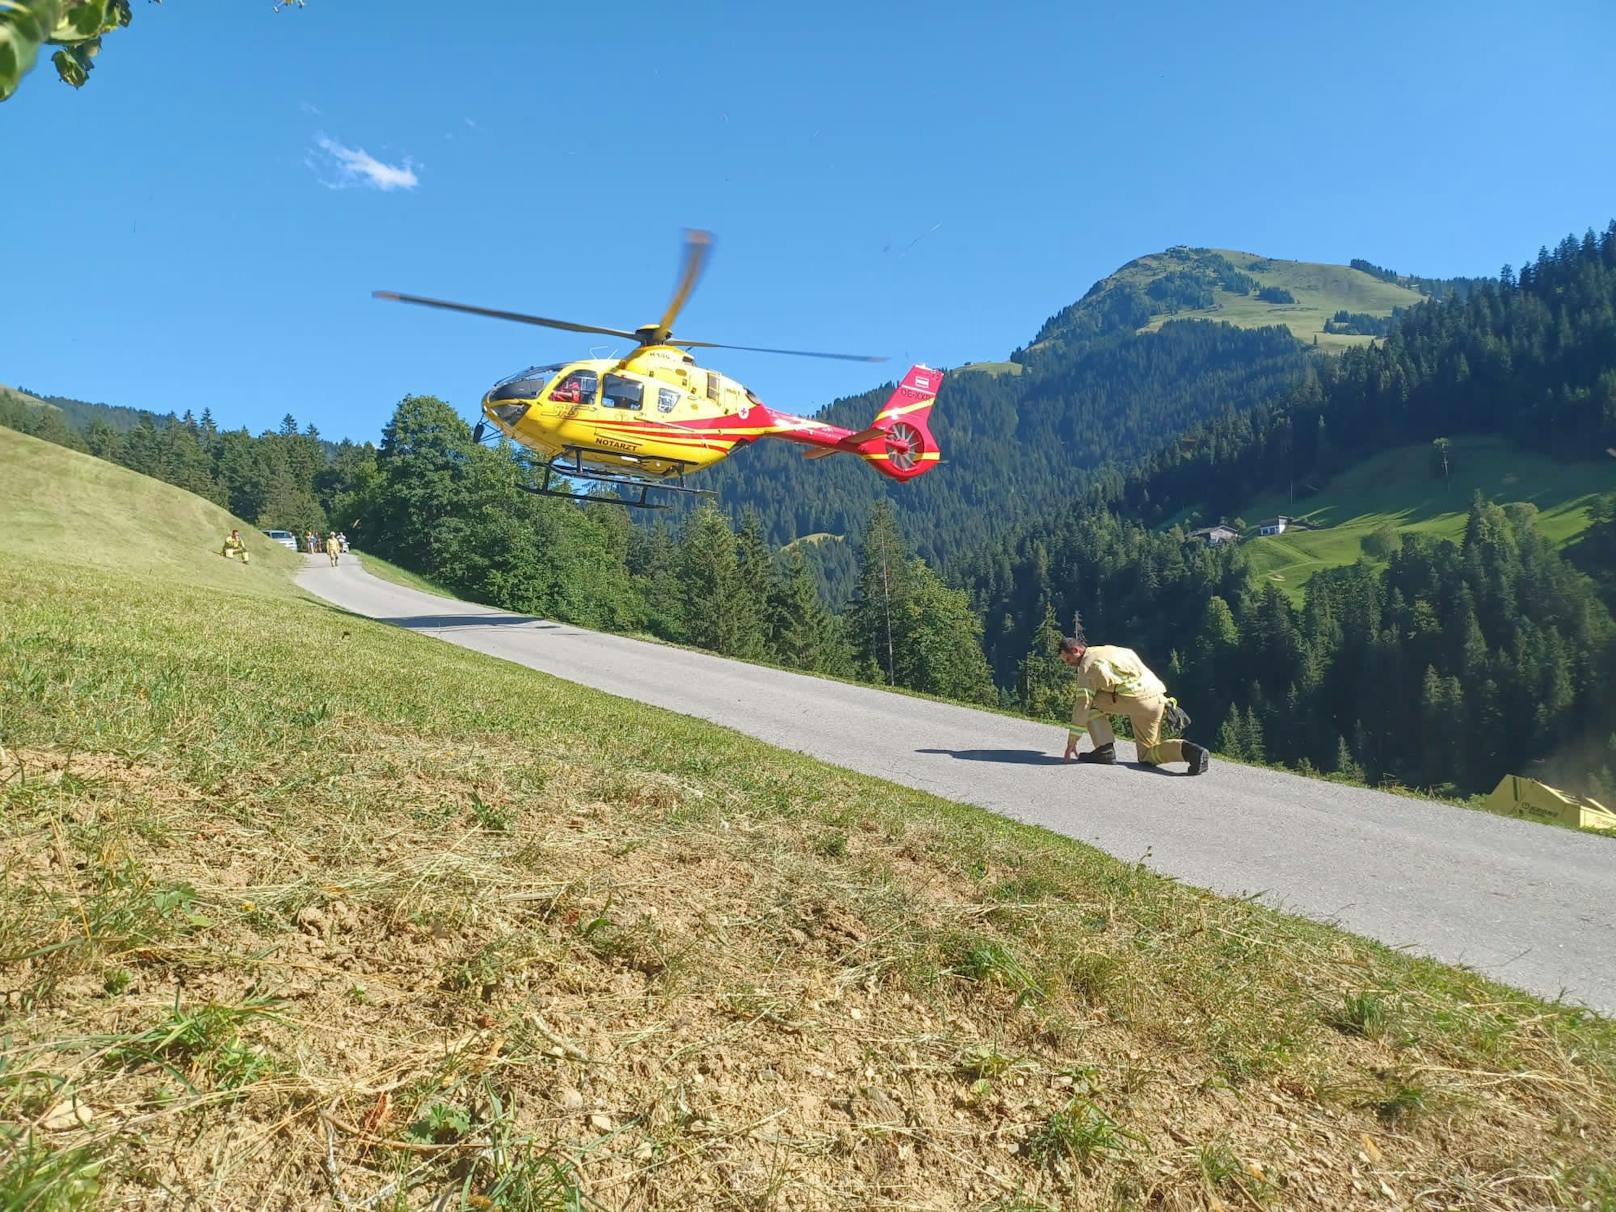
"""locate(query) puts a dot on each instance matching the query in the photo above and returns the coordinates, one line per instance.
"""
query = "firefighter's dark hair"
(1071, 643)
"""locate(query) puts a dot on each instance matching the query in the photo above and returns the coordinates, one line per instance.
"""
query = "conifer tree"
(1043, 681)
(880, 606)
(719, 614)
(755, 576)
(941, 641)
(1231, 742)
(654, 561)
(802, 631)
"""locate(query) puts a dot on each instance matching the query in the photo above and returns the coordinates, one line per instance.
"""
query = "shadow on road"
(432, 622)
(1014, 757)
(1028, 757)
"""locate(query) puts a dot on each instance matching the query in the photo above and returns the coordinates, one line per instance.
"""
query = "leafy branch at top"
(76, 26)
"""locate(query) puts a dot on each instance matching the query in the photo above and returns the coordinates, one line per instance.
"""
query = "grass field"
(991, 368)
(303, 911)
(1320, 291)
(24, 397)
(378, 567)
(1397, 488)
(83, 510)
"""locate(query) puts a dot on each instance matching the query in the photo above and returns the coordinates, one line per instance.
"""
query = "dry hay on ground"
(408, 969)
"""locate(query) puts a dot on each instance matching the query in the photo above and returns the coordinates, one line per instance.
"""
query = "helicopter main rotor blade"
(697, 245)
(795, 353)
(519, 317)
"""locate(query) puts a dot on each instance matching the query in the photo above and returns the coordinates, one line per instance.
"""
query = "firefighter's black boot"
(1100, 755)
(1197, 757)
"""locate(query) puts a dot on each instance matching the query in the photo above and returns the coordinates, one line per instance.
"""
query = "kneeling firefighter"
(1114, 681)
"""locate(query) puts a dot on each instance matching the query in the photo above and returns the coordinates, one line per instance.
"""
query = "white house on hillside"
(1280, 525)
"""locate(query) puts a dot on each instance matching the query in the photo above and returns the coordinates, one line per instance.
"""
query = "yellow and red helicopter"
(644, 421)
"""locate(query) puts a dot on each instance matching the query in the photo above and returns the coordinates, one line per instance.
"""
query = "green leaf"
(84, 19)
(72, 65)
(74, 25)
(24, 25)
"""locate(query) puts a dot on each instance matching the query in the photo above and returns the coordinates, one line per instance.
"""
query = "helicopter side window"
(622, 392)
(576, 388)
(714, 383)
(667, 399)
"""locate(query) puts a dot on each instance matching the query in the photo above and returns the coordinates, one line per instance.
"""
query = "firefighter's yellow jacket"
(1108, 670)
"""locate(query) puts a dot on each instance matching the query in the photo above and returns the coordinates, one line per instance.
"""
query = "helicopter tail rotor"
(899, 442)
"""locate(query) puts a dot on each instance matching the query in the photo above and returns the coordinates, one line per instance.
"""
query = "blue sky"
(924, 181)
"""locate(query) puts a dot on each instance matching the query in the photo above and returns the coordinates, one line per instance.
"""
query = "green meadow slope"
(82, 510)
(1320, 291)
(299, 910)
(22, 397)
(1397, 489)
(1223, 285)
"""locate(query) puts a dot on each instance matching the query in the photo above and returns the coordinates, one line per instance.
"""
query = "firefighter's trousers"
(233, 551)
(1145, 714)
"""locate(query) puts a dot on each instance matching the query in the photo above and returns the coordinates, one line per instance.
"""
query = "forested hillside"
(1458, 660)
(289, 477)
(1165, 344)
(1015, 445)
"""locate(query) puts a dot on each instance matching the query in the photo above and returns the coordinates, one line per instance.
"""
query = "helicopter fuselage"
(657, 414)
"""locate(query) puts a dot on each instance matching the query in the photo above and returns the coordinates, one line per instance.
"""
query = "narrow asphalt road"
(1527, 904)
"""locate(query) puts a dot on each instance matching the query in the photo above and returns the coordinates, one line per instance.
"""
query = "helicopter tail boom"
(898, 443)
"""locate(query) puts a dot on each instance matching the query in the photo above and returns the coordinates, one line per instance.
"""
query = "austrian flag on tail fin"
(915, 395)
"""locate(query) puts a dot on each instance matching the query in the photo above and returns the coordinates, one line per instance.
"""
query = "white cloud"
(340, 167)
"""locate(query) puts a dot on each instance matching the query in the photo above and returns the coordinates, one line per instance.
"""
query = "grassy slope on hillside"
(82, 509)
(1320, 290)
(1396, 488)
(991, 368)
(22, 396)
(300, 910)
(378, 567)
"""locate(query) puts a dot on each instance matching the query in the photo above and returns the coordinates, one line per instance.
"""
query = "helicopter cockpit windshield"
(524, 384)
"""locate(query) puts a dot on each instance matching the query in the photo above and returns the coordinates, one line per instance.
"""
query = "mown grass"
(1397, 489)
(78, 509)
(991, 368)
(1320, 291)
(388, 571)
(299, 910)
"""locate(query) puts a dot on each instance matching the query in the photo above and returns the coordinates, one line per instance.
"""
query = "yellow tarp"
(1523, 797)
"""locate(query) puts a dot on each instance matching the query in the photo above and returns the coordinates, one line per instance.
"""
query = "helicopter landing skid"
(575, 470)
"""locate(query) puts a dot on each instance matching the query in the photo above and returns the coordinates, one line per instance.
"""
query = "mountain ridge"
(1165, 343)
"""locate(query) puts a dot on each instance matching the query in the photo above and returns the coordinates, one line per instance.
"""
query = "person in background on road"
(342, 541)
(308, 542)
(333, 548)
(234, 544)
(1114, 681)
